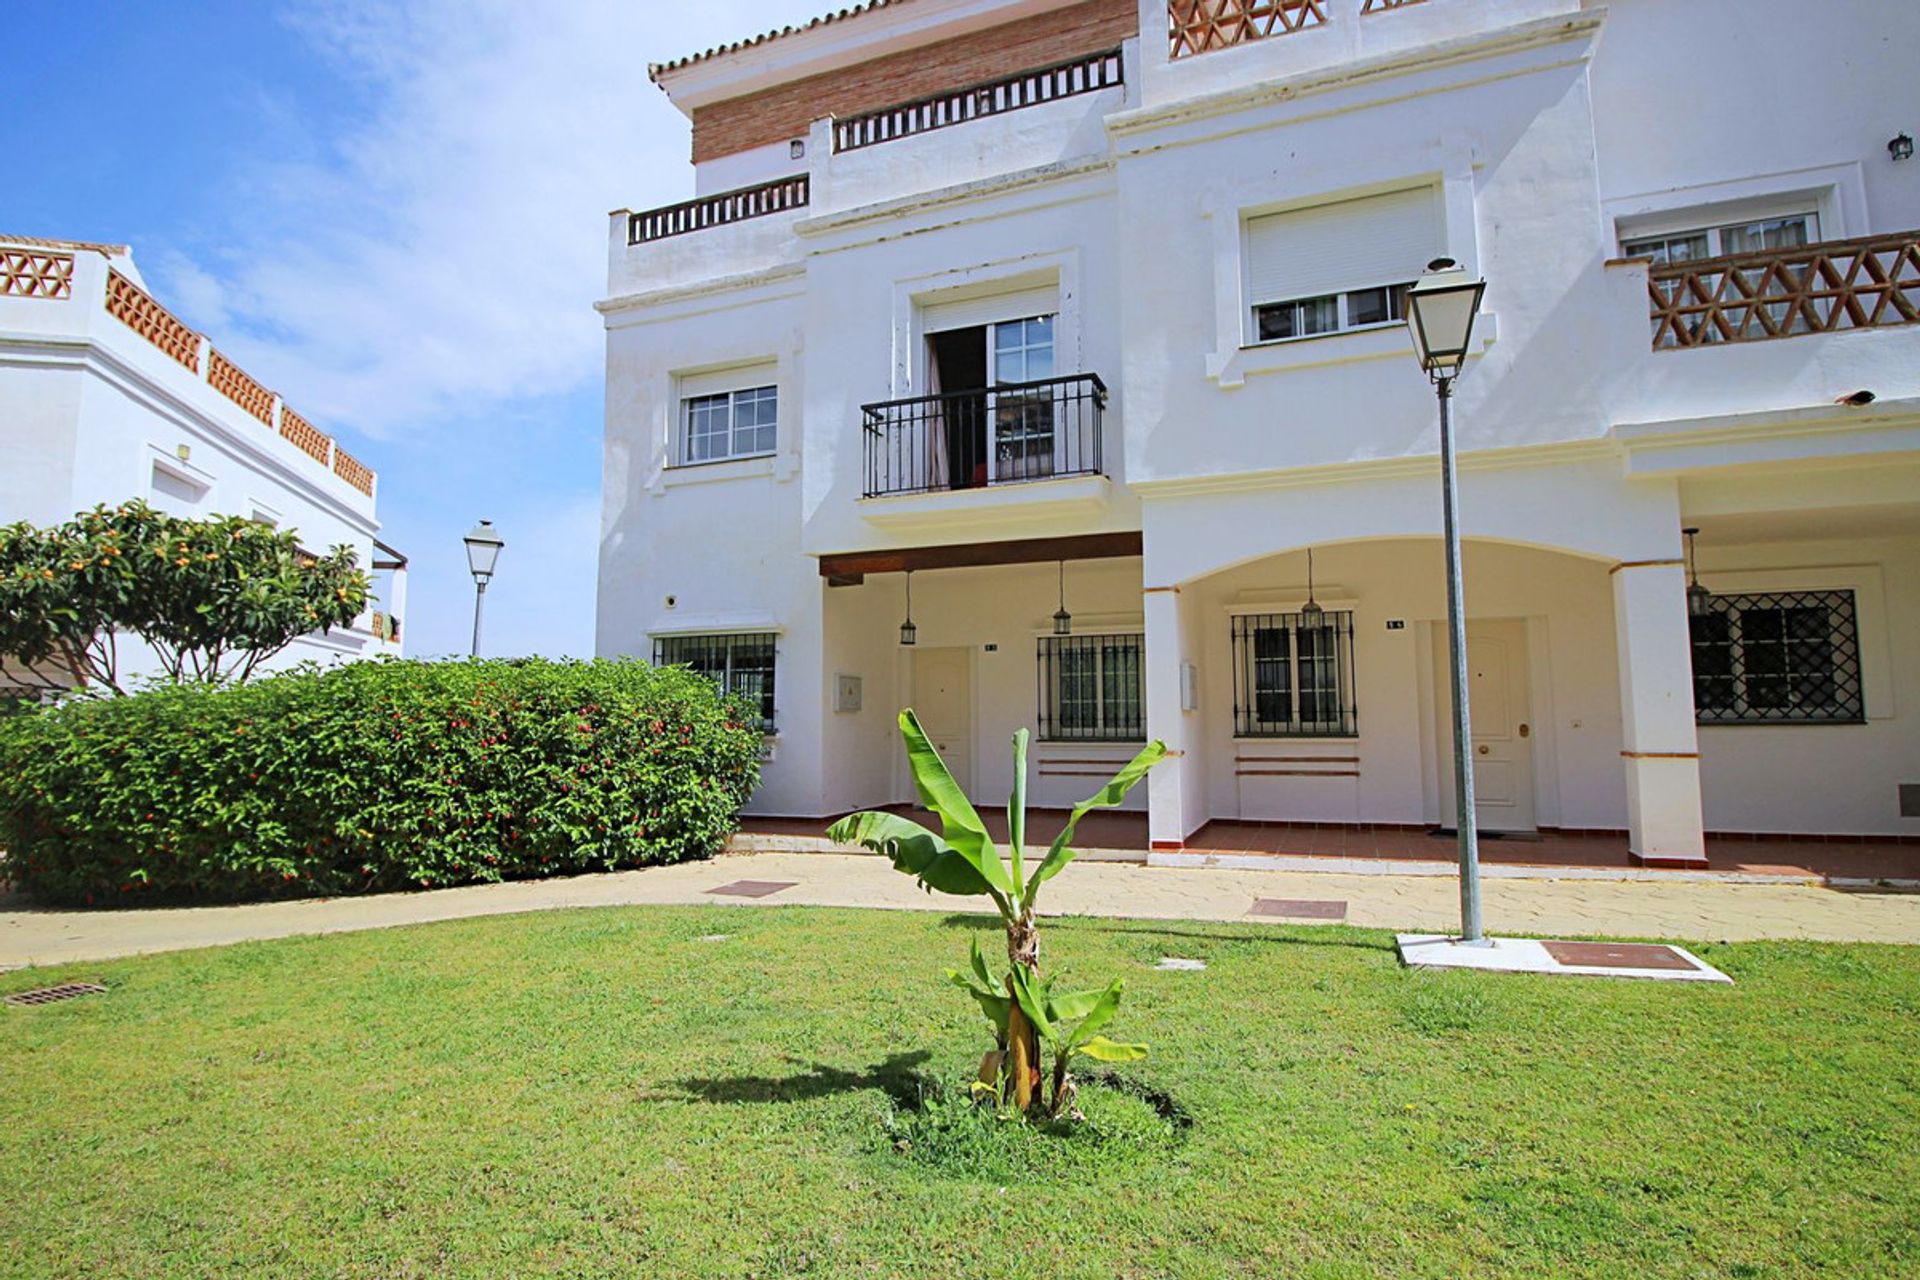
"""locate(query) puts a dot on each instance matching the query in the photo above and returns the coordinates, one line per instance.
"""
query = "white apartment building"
(1094, 307)
(106, 396)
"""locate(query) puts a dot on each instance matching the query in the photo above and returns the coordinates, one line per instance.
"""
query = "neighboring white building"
(106, 396)
(1182, 228)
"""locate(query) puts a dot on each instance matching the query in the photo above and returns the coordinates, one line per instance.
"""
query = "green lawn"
(606, 1093)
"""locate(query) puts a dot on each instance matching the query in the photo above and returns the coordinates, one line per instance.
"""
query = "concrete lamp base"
(1655, 961)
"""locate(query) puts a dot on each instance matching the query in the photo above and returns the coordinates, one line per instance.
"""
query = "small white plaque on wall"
(846, 693)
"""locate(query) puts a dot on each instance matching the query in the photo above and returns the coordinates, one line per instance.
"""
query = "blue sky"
(394, 215)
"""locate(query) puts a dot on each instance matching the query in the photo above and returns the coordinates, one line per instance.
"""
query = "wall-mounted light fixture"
(1900, 147)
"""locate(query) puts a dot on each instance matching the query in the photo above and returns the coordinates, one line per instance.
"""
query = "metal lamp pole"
(1443, 305)
(483, 552)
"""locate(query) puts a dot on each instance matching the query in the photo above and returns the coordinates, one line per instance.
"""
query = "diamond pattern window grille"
(1783, 657)
(26, 273)
(1383, 6)
(1781, 293)
(1201, 26)
(741, 664)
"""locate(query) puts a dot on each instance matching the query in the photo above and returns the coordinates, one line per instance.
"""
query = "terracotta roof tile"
(656, 69)
(39, 242)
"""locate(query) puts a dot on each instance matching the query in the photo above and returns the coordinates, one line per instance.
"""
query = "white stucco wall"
(1538, 125)
(91, 408)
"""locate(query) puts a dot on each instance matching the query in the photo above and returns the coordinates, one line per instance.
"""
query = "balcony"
(1008, 434)
(719, 209)
(1088, 73)
(1826, 287)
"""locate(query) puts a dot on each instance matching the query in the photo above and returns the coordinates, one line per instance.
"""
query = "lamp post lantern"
(1441, 308)
(483, 550)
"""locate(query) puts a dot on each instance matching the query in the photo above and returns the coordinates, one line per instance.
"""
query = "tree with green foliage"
(212, 598)
(1022, 1007)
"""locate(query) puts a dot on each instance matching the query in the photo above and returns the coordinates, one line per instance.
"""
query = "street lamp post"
(483, 549)
(1442, 306)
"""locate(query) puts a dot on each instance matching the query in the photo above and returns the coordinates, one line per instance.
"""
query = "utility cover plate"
(1617, 955)
(1301, 908)
(753, 888)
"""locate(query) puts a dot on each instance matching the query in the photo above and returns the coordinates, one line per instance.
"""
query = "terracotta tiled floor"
(1801, 857)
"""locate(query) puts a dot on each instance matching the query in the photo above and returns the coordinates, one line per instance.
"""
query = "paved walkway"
(1685, 911)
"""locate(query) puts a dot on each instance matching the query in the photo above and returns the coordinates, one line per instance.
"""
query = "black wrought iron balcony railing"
(1005, 434)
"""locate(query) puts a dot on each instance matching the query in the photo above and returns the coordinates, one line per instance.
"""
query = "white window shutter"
(1351, 244)
(738, 378)
(965, 313)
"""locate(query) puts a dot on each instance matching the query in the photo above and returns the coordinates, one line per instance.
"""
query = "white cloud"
(443, 253)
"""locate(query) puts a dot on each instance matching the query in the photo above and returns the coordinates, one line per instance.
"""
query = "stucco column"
(1168, 646)
(1660, 748)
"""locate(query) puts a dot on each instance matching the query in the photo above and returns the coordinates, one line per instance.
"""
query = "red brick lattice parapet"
(233, 382)
(1783, 293)
(1201, 26)
(30, 273)
(130, 304)
(352, 470)
(309, 439)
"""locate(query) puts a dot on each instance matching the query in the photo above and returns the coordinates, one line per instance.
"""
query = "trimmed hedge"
(370, 776)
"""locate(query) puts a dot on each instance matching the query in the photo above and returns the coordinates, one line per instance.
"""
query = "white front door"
(1497, 683)
(943, 699)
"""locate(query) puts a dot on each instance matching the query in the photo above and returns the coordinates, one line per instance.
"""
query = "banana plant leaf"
(961, 826)
(917, 851)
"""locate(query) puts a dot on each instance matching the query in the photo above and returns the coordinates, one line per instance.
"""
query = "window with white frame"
(729, 424)
(1090, 688)
(1782, 657)
(1719, 239)
(1293, 675)
(740, 664)
(1338, 267)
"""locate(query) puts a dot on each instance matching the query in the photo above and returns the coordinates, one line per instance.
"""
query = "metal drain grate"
(53, 995)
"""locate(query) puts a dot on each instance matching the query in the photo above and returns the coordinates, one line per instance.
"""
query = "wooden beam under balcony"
(850, 568)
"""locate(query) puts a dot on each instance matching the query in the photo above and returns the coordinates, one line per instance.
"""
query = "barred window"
(1786, 657)
(732, 424)
(740, 664)
(1090, 689)
(1293, 676)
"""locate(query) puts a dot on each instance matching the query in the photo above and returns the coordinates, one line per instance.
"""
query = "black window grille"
(1293, 676)
(741, 664)
(1783, 657)
(1090, 689)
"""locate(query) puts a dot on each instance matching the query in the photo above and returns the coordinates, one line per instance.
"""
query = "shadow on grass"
(1309, 935)
(898, 1075)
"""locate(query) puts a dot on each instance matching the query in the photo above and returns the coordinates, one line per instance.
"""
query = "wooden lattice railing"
(1084, 74)
(309, 439)
(1782, 293)
(352, 470)
(1201, 26)
(31, 273)
(233, 382)
(140, 313)
(719, 209)
(1382, 6)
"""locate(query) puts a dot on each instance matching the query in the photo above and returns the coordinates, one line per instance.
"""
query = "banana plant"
(1051, 1015)
(963, 859)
